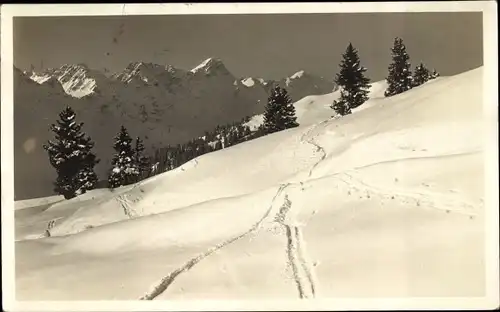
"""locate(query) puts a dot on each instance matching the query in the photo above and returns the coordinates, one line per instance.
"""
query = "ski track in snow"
(291, 249)
(317, 146)
(126, 205)
(165, 282)
(302, 270)
(304, 261)
(427, 199)
(318, 149)
(296, 253)
(298, 258)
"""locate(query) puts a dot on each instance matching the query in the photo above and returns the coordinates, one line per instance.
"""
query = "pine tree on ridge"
(434, 74)
(420, 75)
(279, 112)
(400, 78)
(351, 77)
(354, 86)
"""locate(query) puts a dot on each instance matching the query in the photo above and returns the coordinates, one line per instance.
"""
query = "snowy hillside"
(312, 108)
(385, 202)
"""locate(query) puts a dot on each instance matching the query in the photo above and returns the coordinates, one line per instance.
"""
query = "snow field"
(385, 202)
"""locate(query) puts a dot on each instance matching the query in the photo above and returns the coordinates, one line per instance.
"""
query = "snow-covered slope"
(385, 202)
(312, 108)
(28, 203)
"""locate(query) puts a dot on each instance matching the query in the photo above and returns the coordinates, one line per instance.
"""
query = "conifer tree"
(71, 156)
(142, 163)
(279, 112)
(434, 75)
(351, 78)
(342, 106)
(123, 168)
(399, 79)
(421, 75)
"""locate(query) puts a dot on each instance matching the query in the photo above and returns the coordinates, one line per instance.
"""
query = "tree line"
(173, 156)
(72, 157)
(354, 85)
(279, 115)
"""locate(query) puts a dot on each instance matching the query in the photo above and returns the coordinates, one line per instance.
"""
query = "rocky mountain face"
(161, 104)
(76, 80)
(298, 85)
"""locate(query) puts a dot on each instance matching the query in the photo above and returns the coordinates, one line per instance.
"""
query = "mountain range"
(160, 103)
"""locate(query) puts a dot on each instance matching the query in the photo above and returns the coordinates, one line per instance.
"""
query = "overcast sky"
(268, 46)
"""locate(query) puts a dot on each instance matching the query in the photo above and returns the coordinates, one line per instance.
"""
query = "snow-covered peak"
(76, 81)
(209, 65)
(202, 65)
(298, 74)
(74, 78)
(145, 72)
(129, 73)
(39, 78)
(249, 82)
(74, 67)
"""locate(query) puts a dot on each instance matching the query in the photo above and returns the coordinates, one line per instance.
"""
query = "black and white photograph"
(190, 152)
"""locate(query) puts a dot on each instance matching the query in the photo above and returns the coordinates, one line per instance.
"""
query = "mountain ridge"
(139, 70)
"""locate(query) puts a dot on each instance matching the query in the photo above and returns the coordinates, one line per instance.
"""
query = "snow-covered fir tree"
(279, 112)
(420, 75)
(71, 155)
(124, 170)
(141, 162)
(400, 78)
(434, 75)
(351, 78)
(342, 106)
